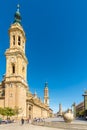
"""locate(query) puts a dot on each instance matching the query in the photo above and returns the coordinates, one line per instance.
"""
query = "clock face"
(12, 59)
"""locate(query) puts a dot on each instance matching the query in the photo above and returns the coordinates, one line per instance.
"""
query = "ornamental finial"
(17, 15)
(18, 7)
(46, 84)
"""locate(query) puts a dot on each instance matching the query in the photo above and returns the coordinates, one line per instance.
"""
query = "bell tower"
(16, 66)
(46, 94)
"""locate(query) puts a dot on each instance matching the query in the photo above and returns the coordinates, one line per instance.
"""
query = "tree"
(7, 111)
(2, 111)
(80, 113)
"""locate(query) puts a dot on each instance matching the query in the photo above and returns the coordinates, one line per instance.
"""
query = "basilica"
(14, 89)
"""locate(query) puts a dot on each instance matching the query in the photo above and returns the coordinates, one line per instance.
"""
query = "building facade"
(80, 109)
(14, 90)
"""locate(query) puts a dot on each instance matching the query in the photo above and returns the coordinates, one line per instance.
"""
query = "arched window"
(23, 44)
(19, 40)
(46, 93)
(3, 93)
(13, 68)
(23, 69)
(13, 39)
(30, 108)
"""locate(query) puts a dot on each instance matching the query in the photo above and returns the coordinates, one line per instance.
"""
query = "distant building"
(46, 94)
(85, 100)
(79, 108)
(60, 113)
(14, 90)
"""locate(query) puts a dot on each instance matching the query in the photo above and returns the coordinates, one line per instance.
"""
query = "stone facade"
(14, 90)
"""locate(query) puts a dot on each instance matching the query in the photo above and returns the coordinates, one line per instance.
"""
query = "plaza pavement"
(57, 122)
(18, 126)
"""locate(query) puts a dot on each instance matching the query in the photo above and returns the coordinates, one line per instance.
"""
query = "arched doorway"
(30, 112)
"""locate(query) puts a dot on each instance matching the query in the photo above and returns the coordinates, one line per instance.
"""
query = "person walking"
(22, 121)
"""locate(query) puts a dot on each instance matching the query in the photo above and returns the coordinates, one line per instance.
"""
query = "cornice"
(16, 27)
(16, 51)
(39, 104)
(16, 80)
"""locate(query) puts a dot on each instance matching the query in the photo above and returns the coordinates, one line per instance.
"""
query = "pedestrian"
(28, 120)
(22, 121)
(0, 120)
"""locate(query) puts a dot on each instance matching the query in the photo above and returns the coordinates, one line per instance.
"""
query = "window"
(46, 100)
(46, 94)
(19, 40)
(3, 93)
(13, 68)
(30, 108)
(13, 39)
(23, 45)
(23, 69)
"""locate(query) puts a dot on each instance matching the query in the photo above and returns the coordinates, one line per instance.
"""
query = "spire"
(46, 94)
(17, 15)
(46, 84)
(35, 94)
(18, 6)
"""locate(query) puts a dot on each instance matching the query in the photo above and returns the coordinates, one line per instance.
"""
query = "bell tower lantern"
(16, 33)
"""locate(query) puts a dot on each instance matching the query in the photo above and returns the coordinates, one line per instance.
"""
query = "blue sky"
(56, 46)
